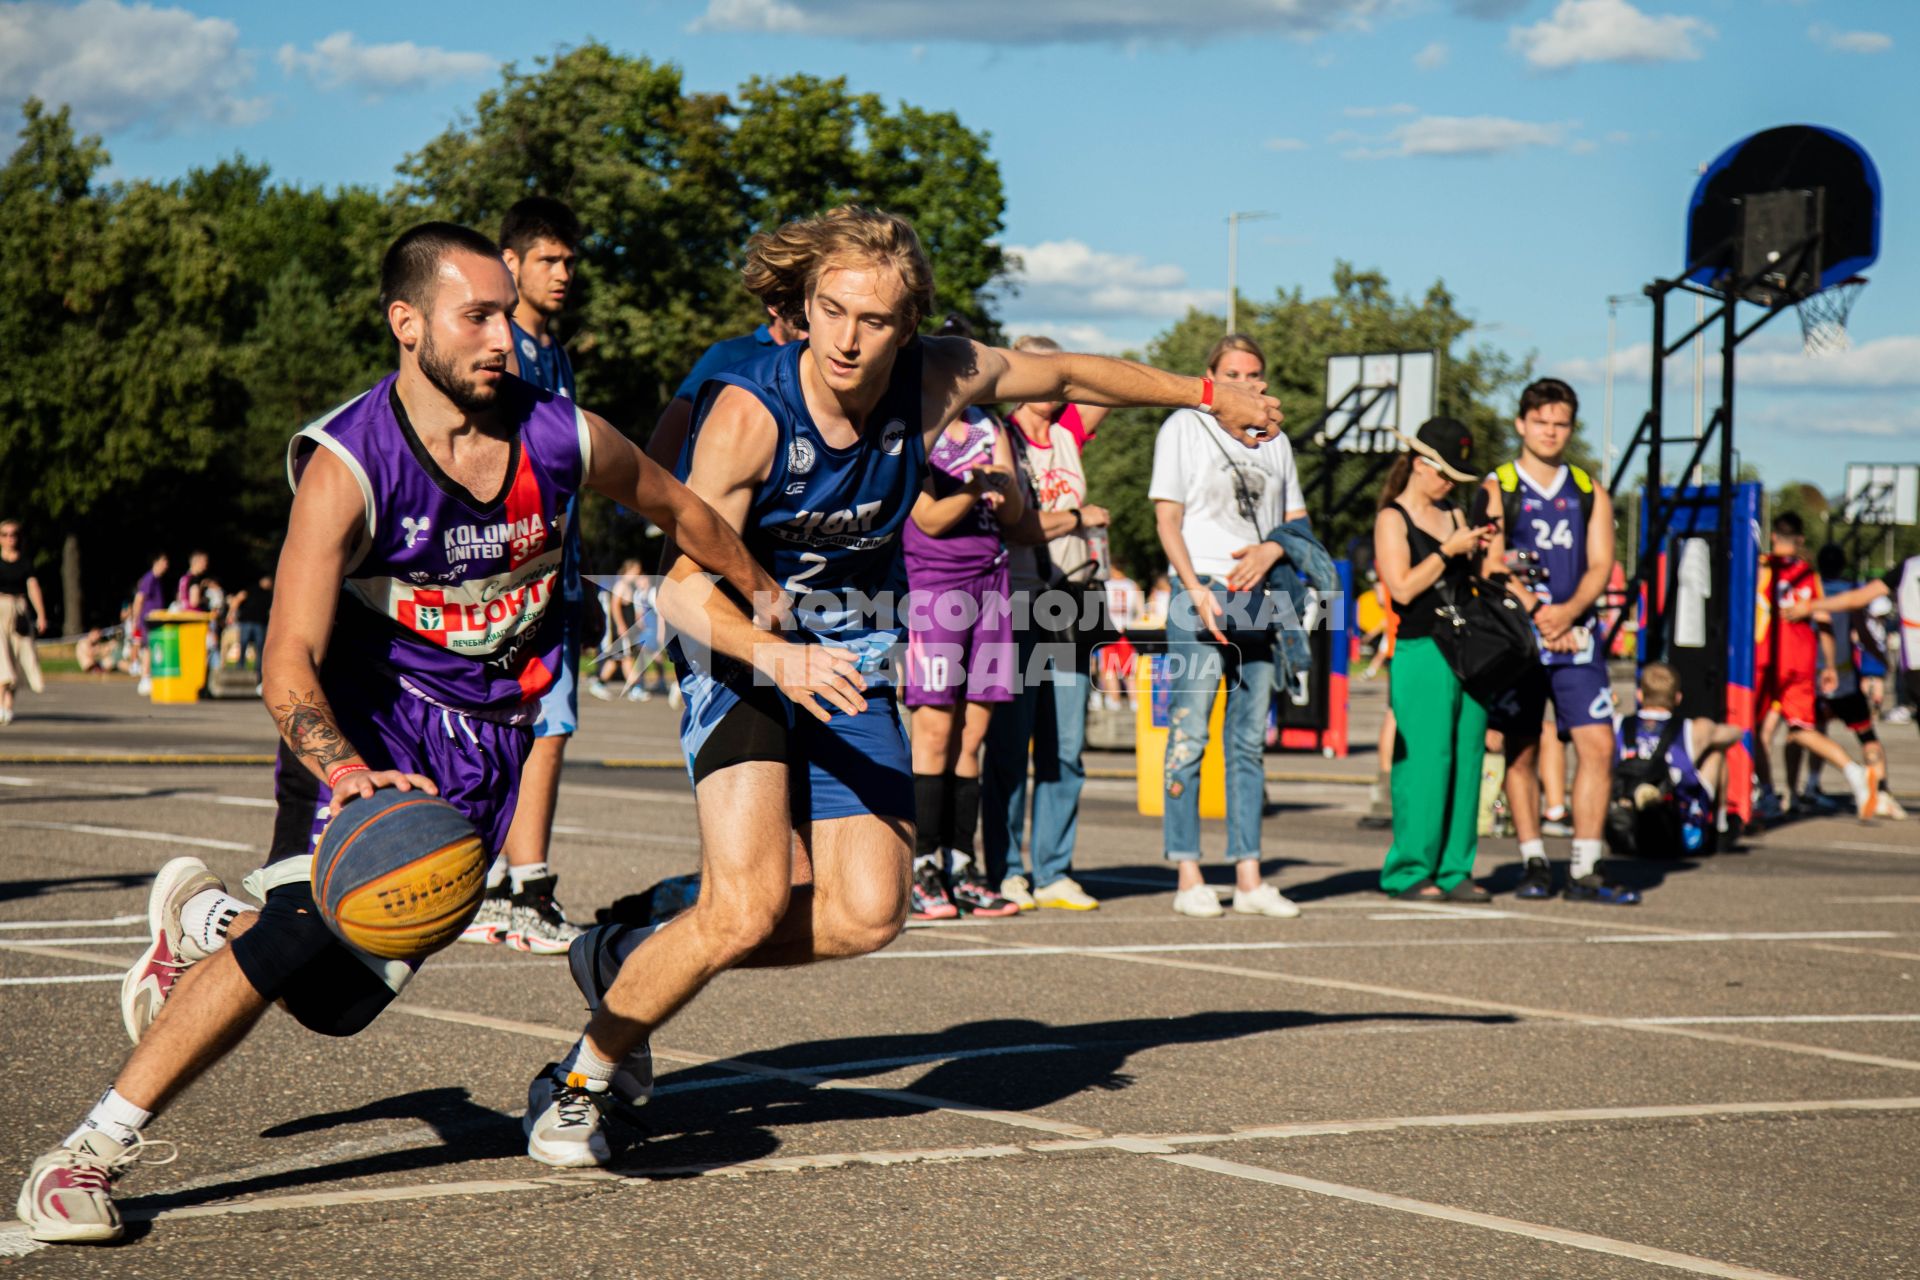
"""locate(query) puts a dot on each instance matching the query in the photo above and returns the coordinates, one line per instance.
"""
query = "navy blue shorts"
(1580, 692)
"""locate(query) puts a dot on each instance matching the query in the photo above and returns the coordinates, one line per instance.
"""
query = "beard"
(468, 394)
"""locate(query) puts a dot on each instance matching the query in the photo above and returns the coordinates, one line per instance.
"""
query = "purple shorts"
(1580, 693)
(475, 763)
(960, 643)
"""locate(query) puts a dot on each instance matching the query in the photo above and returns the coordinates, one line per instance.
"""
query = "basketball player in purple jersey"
(1557, 513)
(817, 453)
(961, 658)
(414, 629)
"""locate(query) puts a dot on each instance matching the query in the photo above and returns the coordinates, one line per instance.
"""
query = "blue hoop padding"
(1833, 272)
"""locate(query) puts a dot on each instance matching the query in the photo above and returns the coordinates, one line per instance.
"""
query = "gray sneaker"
(489, 924)
(68, 1195)
(563, 1122)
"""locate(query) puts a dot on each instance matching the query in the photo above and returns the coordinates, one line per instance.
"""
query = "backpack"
(1650, 829)
(1507, 475)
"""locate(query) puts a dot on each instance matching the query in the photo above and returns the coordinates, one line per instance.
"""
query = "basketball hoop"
(1823, 317)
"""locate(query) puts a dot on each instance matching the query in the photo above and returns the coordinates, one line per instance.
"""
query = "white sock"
(114, 1116)
(1586, 858)
(1557, 813)
(497, 873)
(206, 915)
(1533, 850)
(531, 871)
(582, 1061)
(1857, 779)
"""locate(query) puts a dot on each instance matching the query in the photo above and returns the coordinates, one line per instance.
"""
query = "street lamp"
(1233, 260)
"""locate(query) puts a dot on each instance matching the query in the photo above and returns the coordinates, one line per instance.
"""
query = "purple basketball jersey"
(1639, 737)
(450, 600)
(973, 546)
(1550, 525)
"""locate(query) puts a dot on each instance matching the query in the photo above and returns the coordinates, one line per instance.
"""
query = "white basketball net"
(1823, 318)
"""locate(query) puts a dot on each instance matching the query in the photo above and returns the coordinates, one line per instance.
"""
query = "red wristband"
(1206, 394)
(333, 778)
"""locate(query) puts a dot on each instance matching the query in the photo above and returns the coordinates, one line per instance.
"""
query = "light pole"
(1234, 220)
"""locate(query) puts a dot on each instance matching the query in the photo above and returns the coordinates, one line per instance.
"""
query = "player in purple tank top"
(414, 628)
(961, 658)
(1555, 512)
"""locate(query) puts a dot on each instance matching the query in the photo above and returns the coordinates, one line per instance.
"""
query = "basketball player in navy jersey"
(670, 432)
(539, 241)
(1558, 514)
(816, 451)
(414, 629)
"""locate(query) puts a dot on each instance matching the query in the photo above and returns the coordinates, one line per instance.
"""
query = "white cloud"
(1606, 31)
(1024, 22)
(1070, 279)
(1461, 136)
(1285, 144)
(119, 65)
(1849, 41)
(1073, 335)
(1880, 365)
(1434, 55)
(340, 59)
(1372, 113)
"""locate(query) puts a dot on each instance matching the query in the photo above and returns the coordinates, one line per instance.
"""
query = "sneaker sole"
(485, 935)
(166, 883)
(537, 946)
(572, 1155)
(1271, 915)
(993, 913)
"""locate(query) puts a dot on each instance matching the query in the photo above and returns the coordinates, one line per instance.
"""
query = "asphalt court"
(1724, 1081)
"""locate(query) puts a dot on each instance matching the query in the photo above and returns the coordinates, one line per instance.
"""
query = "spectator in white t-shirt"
(1213, 505)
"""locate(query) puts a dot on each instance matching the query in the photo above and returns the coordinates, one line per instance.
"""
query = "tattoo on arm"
(306, 723)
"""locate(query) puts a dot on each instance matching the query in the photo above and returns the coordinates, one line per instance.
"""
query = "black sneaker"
(1536, 882)
(536, 923)
(1591, 888)
(928, 898)
(971, 895)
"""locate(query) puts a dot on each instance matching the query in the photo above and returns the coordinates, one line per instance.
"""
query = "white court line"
(96, 940)
(62, 978)
(1498, 1006)
(146, 793)
(999, 946)
(1826, 936)
(69, 924)
(1775, 1018)
(129, 833)
(1487, 1221)
(1884, 898)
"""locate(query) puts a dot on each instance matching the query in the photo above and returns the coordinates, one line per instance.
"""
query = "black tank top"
(1417, 616)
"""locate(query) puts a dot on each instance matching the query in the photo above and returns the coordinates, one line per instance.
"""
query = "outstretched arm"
(994, 375)
(328, 514)
(1858, 598)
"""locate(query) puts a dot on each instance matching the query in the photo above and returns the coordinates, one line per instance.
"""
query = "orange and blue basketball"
(399, 874)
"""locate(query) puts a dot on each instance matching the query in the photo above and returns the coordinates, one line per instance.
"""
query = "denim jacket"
(1307, 565)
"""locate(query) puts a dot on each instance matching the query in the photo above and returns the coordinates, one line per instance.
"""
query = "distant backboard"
(1370, 395)
(1882, 493)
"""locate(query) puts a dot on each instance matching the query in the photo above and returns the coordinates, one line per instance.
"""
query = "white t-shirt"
(1195, 462)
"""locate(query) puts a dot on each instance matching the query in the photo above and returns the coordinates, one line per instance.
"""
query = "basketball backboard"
(1788, 211)
(1370, 395)
(1882, 493)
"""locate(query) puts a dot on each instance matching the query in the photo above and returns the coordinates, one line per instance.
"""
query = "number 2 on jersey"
(814, 562)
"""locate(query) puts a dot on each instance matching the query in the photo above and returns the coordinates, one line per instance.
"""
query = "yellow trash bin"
(177, 654)
(1150, 701)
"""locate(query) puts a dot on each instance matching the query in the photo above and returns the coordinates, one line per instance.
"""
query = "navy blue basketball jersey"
(546, 367)
(826, 523)
(1551, 522)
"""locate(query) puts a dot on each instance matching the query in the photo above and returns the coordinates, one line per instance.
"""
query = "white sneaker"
(1199, 902)
(68, 1195)
(150, 981)
(490, 923)
(563, 1124)
(1014, 889)
(1065, 895)
(596, 689)
(1264, 901)
(6, 716)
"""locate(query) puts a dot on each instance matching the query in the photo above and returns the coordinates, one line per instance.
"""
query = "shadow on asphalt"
(13, 889)
(704, 1128)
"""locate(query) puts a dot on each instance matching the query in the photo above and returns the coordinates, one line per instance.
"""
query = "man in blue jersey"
(539, 241)
(816, 452)
(670, 432)
(1693, 756)
(1559, 517)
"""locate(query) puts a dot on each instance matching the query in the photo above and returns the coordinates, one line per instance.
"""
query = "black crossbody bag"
(1091, 624)
(1484, 632)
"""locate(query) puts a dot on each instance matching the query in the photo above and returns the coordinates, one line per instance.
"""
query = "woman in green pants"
(1419, 536)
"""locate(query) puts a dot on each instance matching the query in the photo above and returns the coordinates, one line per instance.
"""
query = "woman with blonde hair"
(23, 615)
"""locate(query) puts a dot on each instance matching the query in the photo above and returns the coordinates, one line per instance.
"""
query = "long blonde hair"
(784, 264)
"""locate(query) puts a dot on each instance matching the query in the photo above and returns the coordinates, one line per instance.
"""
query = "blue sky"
(1535, 154)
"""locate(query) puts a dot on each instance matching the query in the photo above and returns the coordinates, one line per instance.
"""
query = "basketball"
(399, 874)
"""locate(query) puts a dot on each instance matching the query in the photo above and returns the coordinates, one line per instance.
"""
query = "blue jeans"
(1199, 664)
(253, 642)
(1051, 714)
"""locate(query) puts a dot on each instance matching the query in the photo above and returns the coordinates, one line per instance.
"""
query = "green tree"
(1477, 385)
